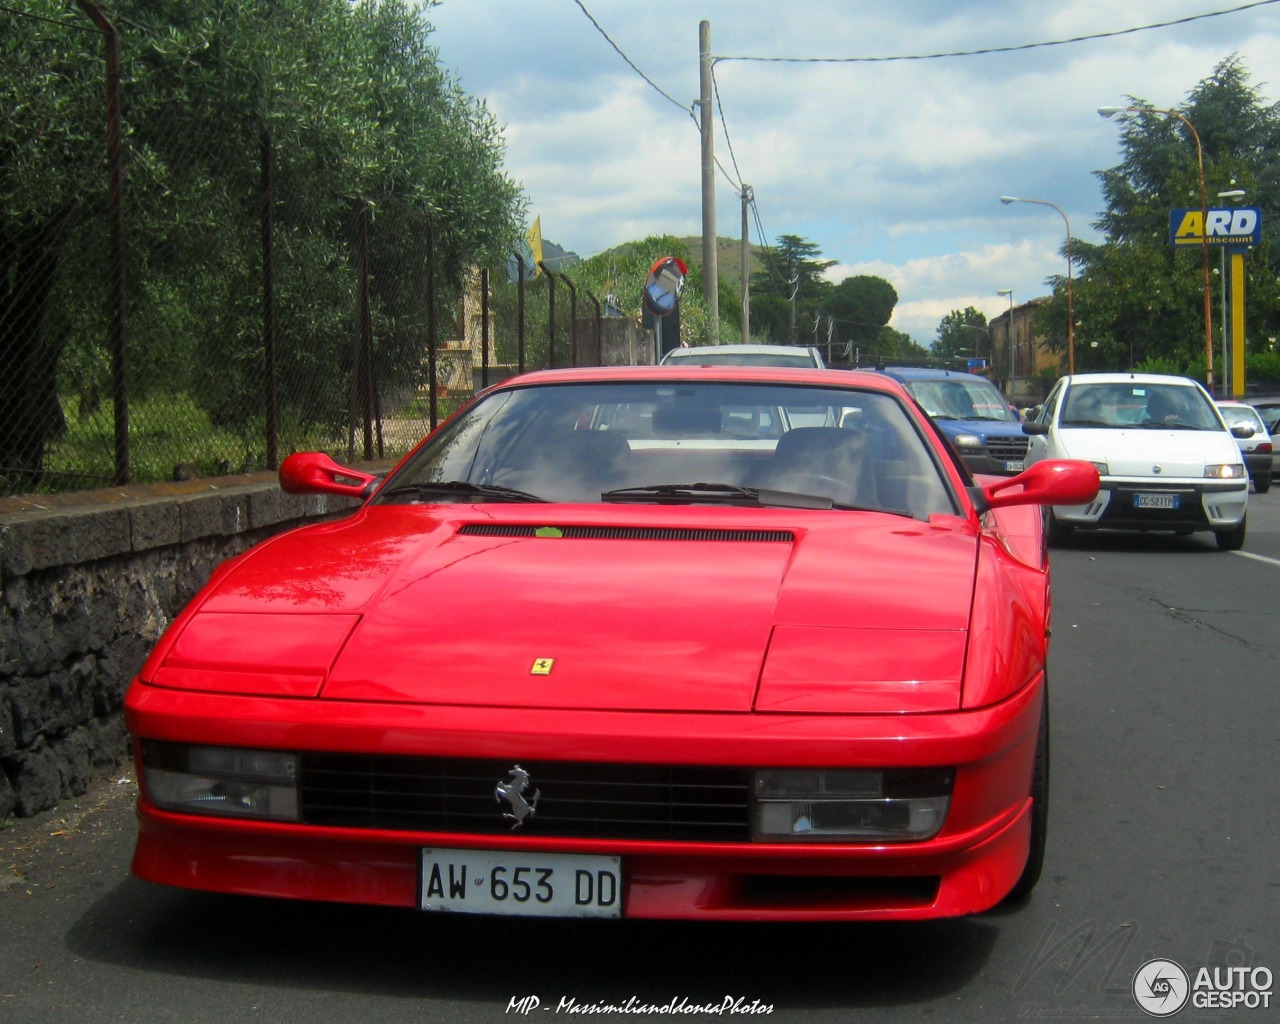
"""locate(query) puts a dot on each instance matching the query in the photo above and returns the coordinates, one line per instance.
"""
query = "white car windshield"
(1138, 404)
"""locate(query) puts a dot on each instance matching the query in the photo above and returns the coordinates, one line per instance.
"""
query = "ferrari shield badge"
(542, 666)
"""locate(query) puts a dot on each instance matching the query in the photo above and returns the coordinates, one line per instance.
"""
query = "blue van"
(974, 415)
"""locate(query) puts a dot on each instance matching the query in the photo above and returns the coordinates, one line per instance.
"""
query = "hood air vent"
(625, 533)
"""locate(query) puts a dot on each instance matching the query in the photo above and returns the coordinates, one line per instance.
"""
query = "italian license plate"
(1014, 467)
(520, 883)
(1155, 500)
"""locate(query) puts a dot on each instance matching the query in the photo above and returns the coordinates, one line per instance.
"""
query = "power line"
(632, 64)
(736, 183)
(1000, 49)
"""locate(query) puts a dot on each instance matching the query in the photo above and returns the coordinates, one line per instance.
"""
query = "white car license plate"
(1014, 467)
(521, 883)
(1155, 500)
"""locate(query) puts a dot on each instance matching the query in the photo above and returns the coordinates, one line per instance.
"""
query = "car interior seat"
(831, 461)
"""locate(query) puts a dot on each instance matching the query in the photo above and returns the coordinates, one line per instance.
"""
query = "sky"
(891, 167)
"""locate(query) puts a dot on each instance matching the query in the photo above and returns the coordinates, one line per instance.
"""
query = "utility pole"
(710, 267)
(746, 267)
(794, 281)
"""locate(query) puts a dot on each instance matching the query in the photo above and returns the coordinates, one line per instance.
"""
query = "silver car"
(1258, 450)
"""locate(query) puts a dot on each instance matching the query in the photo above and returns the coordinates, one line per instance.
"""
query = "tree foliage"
(861, 306)
(789, 290)
(962, 333)
(1137, 299)
(367, 133)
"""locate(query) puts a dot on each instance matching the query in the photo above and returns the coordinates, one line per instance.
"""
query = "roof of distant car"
(1124, 377)
(930, 373)
(757, 354)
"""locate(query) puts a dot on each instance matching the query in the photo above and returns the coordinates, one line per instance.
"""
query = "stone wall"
(88, 584)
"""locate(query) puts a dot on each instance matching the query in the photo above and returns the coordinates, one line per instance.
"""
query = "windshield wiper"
(680, 493)
(1158, 425)
(463, 488)
(732, 494)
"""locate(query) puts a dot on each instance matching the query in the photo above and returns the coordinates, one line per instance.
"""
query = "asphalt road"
(1165, 693)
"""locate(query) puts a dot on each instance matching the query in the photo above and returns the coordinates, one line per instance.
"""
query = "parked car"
(540, 672)
(974, 415)
(1166, 459)
(1257, 447)
(744, 355)
(1269, 409)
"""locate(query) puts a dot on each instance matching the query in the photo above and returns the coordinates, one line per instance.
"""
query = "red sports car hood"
(584, 609)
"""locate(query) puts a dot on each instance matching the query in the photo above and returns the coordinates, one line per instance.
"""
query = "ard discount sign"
(1238, 226)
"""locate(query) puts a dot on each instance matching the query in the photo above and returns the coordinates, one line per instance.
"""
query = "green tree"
(368, 133)
(788, 290)
(1137, 298)
(861, 306)
(961, 334)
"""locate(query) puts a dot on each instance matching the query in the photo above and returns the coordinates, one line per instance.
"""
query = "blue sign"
(1236, 226)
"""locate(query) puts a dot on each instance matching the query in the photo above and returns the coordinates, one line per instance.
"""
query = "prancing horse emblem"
(513, 793)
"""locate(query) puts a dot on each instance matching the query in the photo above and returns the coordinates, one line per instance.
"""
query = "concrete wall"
(88, 584)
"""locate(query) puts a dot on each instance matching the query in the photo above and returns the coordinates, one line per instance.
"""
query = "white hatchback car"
(1166, 458)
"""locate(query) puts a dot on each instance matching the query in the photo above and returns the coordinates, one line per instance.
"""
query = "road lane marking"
(1258, 558)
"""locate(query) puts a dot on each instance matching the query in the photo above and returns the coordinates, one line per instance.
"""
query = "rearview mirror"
(317, 473)
(1053, 482)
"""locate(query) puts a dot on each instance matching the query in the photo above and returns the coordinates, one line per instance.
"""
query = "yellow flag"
(534, 238)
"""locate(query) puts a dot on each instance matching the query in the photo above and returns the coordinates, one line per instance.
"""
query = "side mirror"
(1032, 427)
(1242, 431)
(316, 473)
(1053, 482)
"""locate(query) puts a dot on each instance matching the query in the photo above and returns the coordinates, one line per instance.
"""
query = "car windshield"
(754, 444)
(1138, 404)
(956, 399)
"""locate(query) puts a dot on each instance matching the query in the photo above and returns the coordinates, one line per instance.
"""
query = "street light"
(1071, 316)
(1013, 349)
(1204, 227)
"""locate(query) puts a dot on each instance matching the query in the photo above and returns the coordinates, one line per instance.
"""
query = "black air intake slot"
(628, 533)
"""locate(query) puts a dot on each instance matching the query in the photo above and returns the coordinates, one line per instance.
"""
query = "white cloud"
(892, 168)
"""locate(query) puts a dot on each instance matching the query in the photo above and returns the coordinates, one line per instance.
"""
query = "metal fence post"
(432, 403)
(573, 320)
(484, 327)
(115, 202)
(267, 216)
(599, 326)
(520, 313)
(551, 317)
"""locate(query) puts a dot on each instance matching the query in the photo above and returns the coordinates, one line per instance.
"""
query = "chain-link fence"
(196, 294)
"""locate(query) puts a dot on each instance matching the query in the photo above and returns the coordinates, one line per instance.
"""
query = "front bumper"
(968, 867)
(1150, 504)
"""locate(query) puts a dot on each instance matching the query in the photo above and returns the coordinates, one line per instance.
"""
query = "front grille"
(585, 801)
(1008, 449)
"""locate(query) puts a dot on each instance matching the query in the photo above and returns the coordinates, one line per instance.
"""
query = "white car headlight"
(968, 441)
(1226, 471)
(849, 804)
